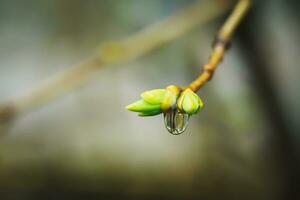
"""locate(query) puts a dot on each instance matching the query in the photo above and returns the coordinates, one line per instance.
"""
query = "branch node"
(220, 41)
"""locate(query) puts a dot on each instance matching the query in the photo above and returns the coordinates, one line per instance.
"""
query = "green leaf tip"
(142, 106)
(149, 105)
(154, 96)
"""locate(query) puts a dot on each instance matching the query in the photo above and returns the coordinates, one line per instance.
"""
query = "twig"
(128, 49)
(221, 44)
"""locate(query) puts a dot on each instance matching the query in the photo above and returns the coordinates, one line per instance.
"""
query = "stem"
(111, 53)
(221, 44)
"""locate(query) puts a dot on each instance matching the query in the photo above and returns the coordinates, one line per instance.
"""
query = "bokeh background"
(85, 145)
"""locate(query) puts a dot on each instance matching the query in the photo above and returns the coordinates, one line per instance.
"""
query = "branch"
(221, 44)
(128, 49)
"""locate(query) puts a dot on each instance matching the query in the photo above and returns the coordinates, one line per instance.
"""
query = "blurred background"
(85, 145)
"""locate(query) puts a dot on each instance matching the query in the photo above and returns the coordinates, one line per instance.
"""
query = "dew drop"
(176, 122)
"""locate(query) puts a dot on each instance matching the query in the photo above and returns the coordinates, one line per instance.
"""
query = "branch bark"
(221, 44)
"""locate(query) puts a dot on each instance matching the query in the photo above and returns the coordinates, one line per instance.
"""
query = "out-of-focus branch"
(110, 53)
(221, 44)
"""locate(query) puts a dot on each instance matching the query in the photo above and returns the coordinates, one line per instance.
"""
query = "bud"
(149, 105)
(170, 98)
(142, 106)
(156, 101)
(189, 102)
(154, 96)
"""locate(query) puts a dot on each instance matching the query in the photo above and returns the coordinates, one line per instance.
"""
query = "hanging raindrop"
(175, 121)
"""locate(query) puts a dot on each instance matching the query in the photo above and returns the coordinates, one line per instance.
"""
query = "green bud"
(150, 104)
(154, 96)
(156, 101)
(142, 106)
(189, 102)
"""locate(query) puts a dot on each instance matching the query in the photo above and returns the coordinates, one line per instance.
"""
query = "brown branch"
(221, 44)
(128, 49)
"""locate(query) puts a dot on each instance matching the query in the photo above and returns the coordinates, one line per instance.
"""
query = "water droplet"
(175, 121)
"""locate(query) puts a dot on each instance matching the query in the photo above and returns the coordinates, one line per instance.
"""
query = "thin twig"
(128, 49)
(221, 44)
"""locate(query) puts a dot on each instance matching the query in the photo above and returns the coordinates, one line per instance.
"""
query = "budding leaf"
(154, 96)
(143, 106)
